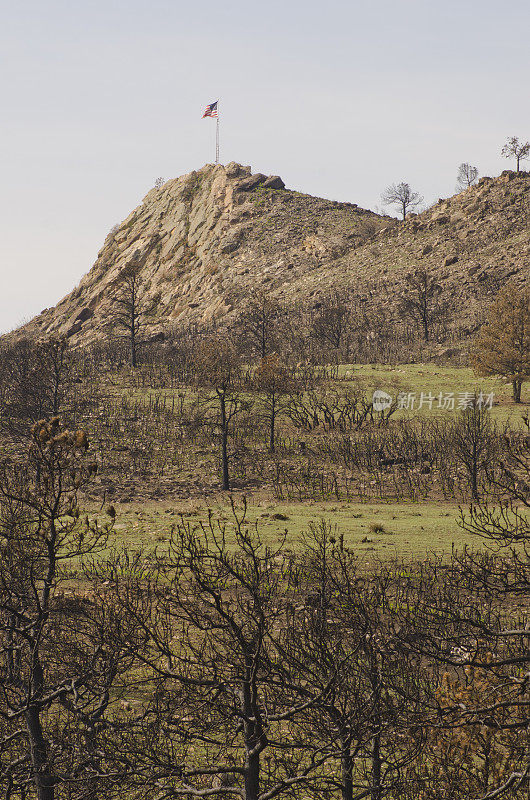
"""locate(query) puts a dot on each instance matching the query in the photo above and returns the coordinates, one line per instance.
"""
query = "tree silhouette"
(466, 177)
(58, 660)
(401, 195)
(276, 385)
(128, 310)
(218, 373)
(516, 149)
(421, 300)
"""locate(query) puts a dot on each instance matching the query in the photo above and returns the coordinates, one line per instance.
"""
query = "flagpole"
(217, 137)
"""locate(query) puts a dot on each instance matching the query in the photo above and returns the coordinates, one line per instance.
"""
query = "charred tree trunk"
(346, 768)
(254, 736)
(272, 424)
(44, 780)
(132, 340)
(224, 443)
(474, 472)
(376, 789)
(252, 770)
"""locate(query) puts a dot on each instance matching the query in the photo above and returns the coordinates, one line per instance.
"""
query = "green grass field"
(433, 379)
(406, 528)
(383, 530)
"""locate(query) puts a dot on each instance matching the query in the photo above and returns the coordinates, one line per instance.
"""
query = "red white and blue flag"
(211, 110)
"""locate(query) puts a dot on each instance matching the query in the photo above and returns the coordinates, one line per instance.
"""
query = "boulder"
(230, 242)
(249, 184)
(83, 315)
(450, 260)
(274, 182)
(231, 239)
(233, 170)
(426, 250)
(74, 329)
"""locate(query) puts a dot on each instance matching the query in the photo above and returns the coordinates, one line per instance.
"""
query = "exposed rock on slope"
(204, 240)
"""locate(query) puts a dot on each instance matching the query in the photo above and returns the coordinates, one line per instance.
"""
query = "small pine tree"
(502, 346)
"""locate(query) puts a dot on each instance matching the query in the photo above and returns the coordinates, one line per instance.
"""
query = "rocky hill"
(204, 241)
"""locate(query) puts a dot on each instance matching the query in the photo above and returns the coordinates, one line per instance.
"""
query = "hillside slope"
(205, 240)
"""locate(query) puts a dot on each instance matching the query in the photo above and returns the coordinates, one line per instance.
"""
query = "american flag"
(211, 110)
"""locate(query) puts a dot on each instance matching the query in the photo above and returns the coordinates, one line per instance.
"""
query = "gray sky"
(340, 98)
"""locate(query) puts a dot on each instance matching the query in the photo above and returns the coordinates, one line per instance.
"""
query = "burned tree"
(466, 176)
(475, 442)
(222, 722)
(472, 632)
(128, 310)
(34, 378)
(368, 697)
(58, 660)
(421, 300)
(516, 149)
(276, 385)
(402, 196)
(218, 375)
(259, 321)
(332, 324)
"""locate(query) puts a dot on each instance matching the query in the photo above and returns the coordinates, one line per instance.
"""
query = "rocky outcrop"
(199, 242)
(274, 182)
(205, 241)
(249, 184)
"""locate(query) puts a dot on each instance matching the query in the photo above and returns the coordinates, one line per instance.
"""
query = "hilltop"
(205, 240)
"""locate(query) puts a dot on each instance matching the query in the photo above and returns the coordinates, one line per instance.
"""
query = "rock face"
(249, 184)
(274, 182)
(204, 241)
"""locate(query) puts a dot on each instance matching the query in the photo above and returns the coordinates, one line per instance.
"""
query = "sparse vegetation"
(294, 593)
